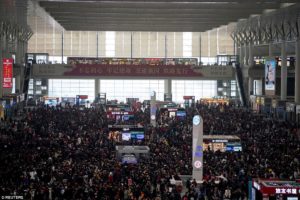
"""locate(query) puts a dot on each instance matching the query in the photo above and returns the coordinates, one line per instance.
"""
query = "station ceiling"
(153, 15)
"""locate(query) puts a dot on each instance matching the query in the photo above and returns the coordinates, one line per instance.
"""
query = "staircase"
(239, 80)
(27, 75)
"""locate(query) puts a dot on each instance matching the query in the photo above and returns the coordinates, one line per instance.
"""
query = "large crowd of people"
(65, 153)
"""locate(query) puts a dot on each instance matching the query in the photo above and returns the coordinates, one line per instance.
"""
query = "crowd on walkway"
(65, 153)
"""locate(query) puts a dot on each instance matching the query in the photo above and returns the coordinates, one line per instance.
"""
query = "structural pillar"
(153, 109)
(297, 73)
(249, 60)
(18, 84)
(246, 55)
(168, 87)
(270, 50)
(250, 85)
(283, 84)
(250, 57)
(241, 58)
(97, 87)
(258, 87)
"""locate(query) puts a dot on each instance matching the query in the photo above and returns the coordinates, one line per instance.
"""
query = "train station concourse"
(150, 99)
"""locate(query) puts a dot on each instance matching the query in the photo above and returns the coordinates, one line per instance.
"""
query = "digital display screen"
(126, 136)
(233, 148)
(51, 102)
(137, 135)
(181, 113)
(292, 198)
(127, 117)
(130, 159)
(172, 114)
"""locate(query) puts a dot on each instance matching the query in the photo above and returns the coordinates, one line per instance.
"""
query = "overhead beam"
(132, 15)
(138, 28)
(153, 11)
(159, 5)
(180, 1)
(144, 20)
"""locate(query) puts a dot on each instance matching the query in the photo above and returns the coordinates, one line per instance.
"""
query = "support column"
(297, 72)
(97, 46)
(283, 84)
(258, 87)
(270, 50)
(97, 87)
(62, 47)
(168, 86)
(200, 48)
(250, 85)
(241, 59)
(250, 60)
(18, 84)
(166, 48)
(131, 45)
(246, 54)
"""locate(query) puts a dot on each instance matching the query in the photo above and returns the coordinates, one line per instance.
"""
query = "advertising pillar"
(153, 109)
(283, 85)
(197, 148)
(297, 72)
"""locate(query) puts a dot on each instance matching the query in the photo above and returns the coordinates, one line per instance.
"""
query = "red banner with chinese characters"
(7, 72)
(132, 70)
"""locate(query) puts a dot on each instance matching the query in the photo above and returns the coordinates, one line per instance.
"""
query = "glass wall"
(187, 44)
(197, 88)
(122, 89)
(110, 42)
(71, 88)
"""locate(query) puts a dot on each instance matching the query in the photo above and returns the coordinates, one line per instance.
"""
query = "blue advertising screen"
(181, 114)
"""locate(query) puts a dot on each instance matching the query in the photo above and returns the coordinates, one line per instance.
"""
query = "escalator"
(27, 75)
(240, 81)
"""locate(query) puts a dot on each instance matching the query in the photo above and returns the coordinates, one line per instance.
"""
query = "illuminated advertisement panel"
(270, 75)
(7, 72)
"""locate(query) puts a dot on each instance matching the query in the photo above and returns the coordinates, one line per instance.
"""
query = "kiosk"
(81, 100)
(133, 150)
(278, 108)
(51, 101)
(254, 103)
(178, 113)
(102, 98)
(125, 133)
(266, 104)
(291, 111)
(189, 101)
(274, 189)
(229, 143)
(67, 101)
